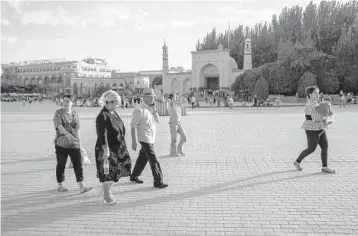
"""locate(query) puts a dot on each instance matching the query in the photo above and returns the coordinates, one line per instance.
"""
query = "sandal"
(113, 202)
(62, 189)
(328, 170)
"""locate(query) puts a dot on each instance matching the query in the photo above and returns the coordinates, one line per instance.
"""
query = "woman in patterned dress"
(111, 145)
(67, 143)
(315, 128)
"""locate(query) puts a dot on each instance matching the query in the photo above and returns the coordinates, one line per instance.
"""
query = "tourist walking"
(67, 143)
(315, 128)
(231, 102)
(193, 102)
(342, 98)
(112, 156)
(175, 112)
(144, 120)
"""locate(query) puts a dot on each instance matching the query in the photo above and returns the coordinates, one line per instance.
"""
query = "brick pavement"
(237, 179)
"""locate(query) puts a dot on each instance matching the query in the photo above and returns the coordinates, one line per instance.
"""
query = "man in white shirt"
(144, 119)
(175, 111)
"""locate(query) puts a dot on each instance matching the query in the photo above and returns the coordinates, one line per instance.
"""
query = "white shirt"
(145, 123)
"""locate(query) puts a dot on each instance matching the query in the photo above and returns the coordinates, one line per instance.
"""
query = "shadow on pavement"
(91, 204)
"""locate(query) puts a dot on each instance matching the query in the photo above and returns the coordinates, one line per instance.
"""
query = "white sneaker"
(328, 170)
(181, 153)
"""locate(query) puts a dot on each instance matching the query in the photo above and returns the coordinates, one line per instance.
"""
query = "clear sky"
(129, 35)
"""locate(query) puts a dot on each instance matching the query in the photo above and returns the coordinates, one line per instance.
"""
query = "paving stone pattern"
(236, 179)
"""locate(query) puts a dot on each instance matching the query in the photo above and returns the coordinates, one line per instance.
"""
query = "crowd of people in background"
(211, 98)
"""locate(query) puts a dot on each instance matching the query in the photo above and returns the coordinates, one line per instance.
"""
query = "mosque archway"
(186, 85)
(82, 90)
(210, 77)
(60, 84)
(75, 89)
(40, 81)
(54, 80)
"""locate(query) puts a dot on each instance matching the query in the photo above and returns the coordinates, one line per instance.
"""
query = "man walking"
(175, 111)
(143, 119)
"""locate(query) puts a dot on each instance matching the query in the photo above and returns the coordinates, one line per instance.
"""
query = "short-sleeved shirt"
(70, 122)
(145, 123)
(316, 123)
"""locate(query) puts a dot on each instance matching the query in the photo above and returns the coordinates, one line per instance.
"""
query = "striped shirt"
(317, 120)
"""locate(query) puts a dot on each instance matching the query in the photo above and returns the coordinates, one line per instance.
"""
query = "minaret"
(247, 55)
(165, 58)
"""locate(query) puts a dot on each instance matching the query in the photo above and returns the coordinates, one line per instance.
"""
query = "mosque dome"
(233, 64)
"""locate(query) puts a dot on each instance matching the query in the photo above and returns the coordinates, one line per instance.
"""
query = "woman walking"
(112, 157)
(315, 129)
(67, 143)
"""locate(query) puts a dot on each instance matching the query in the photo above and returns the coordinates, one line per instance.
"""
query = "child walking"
(315, 129)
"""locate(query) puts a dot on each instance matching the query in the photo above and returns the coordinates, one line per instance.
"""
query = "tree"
(158, 80)
(250, 79)
(307, 79)
(261, 88)
(350, 84)
(330, 82)
(279, 79)
(318, 38)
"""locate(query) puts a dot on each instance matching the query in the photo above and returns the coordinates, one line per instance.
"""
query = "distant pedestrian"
(175, 125)
(343, 99)
(193, 102)
(231, 102)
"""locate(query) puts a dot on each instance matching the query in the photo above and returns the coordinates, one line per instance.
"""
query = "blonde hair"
(109, 96)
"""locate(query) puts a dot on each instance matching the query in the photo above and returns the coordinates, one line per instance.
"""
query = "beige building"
(59, 76)
(135, 81)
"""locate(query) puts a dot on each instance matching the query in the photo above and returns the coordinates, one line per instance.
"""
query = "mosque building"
(211, 69)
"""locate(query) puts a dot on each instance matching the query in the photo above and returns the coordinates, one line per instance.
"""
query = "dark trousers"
(315, 138)
(146, 154)
(75, 155)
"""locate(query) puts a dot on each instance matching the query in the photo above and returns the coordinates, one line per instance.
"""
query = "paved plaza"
(237, 178)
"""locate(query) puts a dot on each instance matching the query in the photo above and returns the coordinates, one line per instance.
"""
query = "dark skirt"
(119, 163)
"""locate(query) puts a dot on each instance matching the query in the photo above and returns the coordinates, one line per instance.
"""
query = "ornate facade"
(59, 76)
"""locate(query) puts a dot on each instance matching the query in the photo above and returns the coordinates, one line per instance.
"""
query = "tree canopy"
(321, 39)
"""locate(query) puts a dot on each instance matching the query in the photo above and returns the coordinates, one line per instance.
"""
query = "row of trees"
(315, 45)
